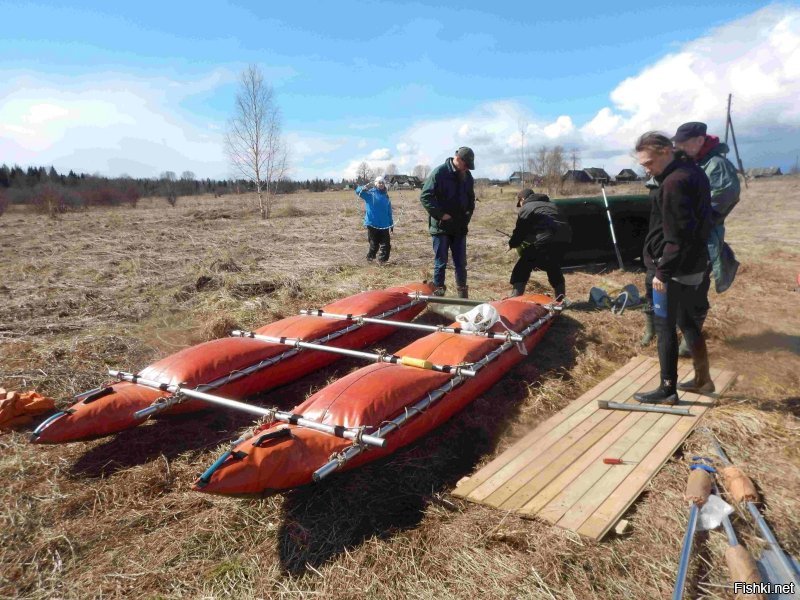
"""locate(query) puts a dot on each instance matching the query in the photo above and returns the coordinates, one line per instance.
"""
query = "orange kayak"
(234, 367)
(281, 456)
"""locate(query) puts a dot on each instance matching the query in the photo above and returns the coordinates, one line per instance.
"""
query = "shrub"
(3, 202)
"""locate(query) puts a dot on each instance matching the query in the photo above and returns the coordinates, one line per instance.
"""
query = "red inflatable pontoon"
(234, 367)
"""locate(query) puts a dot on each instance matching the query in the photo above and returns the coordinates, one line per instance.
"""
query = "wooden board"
(556, 472)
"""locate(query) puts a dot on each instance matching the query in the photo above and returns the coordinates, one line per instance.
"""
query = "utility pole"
(729, 124)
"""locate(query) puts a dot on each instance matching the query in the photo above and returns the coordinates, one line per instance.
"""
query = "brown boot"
(463, 291)
(701, 383)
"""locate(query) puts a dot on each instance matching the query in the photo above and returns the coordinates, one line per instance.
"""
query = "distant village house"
(518, 176)
(763, 172)
(403, 182)
(627, 175)
(588, 175)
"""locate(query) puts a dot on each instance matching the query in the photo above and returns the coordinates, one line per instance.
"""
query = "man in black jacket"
(540, 236)
(676, 256)
(449, 198)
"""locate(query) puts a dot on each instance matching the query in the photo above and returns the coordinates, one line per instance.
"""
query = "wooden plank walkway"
(556, 472)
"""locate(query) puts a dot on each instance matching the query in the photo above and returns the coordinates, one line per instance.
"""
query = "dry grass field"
(115, 517)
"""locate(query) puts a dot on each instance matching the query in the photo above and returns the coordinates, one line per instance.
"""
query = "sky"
(141, 88)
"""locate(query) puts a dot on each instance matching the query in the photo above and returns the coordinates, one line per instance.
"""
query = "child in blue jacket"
(377, 218)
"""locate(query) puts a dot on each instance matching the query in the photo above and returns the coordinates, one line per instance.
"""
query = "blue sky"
(142, 87)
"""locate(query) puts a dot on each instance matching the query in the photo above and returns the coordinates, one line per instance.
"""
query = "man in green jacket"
(709, 154)
(449, 198)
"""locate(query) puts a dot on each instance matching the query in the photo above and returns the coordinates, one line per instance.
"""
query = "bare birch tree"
(364, 173)
(421, 171)
(254, 140)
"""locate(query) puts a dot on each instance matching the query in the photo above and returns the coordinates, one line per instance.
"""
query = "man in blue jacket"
(377, 218)
(449, 198)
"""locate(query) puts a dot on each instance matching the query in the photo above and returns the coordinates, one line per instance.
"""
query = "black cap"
(467, 155)
(524, 193)
(689, 130)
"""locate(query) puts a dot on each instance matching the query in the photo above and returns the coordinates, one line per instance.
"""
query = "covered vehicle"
(591, 237)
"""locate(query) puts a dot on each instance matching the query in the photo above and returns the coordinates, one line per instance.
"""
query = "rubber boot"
(440, 290)
(519, 289)
(463, 291)
(649, 328)
(684, 350)
(661, 395)
(701, 383)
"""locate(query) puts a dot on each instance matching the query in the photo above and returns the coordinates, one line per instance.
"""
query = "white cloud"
(380, 154)
(562, 127)
(97, 123)
(756, 58)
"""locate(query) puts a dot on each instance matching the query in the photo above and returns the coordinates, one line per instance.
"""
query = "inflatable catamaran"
(377, 409)
(363, 416)
(235, 367)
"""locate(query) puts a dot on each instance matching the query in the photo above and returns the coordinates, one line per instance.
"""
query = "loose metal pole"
(667, 410)
(686, 552)
(611, 226)
(790, 571)
(335, 430)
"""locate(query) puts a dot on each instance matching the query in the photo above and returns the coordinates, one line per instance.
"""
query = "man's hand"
(446, 217)
(659, 285)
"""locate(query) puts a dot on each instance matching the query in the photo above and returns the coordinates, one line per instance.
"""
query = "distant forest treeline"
(47, 190)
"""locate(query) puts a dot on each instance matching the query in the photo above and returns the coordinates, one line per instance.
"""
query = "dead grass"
(114, 517)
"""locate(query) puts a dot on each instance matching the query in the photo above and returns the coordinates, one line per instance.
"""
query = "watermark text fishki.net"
(768, 589)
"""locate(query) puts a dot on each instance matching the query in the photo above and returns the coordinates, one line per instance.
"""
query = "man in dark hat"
(449, 197)
(541, 237)
(709, 154)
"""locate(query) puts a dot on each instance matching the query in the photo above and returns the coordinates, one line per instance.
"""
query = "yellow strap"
(419, 363)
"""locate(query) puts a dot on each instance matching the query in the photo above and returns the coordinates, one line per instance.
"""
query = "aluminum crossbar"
(417, 326)
(432, 397)
(387, 358)
(445, 299)
(268, 362)
(351, 433)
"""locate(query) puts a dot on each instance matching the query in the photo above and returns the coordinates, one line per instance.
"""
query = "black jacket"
(445, 192)
(540, 223)
(680, 221)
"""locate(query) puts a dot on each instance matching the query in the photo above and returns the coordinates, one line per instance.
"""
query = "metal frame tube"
(239, 374)
(686, 552)
(387, 358)
(408, 413)
(790, 571)
(299, 420)
(445, 299)
(418, 326)
(289, 353)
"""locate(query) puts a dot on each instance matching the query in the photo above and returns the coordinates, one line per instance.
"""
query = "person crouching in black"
(676, 256)
(541, 237)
